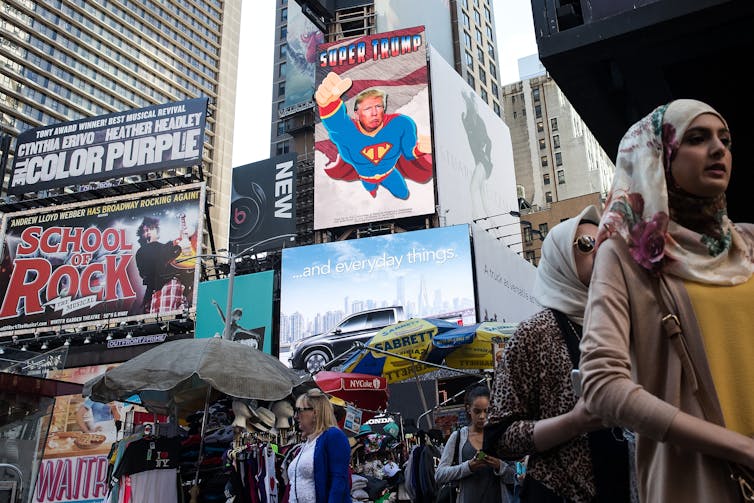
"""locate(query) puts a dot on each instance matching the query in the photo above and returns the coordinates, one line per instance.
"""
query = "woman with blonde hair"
(320, 471)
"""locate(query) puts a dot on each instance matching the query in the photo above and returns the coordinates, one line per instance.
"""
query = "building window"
(281, 69)
(558, 159)
(281, 89)
(538, 111)
(480, 54)
(470, 80)
(489, 32)
(546, 178)
(495, 90)
(543, 161)
(554, 124)
(482, 75)
(487, 14)
(540, 126)
(478, 37)
(283, 32)
(282, 148)
(535, 94)
(529, 256)
(283, 50)
(281, 128)
(493, 70)
(496, 108)
(485, 96)
(466, 21)
(465, 3)
(469, 61)
(527, 234)
(515, 114)
(543, 229)
(491, 51)
(477, 17)
(561, 177)
(542, 144)
(467, 39)
(284, 14)
(548, 197)
(556, 141)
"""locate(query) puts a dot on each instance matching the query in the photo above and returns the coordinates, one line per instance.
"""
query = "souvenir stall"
(201, 385)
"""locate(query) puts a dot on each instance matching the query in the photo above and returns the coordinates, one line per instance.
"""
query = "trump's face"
(371, 112)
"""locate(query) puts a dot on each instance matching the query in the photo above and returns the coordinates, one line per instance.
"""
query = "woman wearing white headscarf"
(534, 407)
(667, 247)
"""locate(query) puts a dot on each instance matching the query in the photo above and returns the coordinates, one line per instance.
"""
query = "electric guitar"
(187, 258)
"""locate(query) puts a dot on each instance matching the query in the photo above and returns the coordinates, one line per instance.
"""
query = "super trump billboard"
(119, 258)
(373, 144)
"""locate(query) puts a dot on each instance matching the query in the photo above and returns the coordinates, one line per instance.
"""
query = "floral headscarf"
(659, 237)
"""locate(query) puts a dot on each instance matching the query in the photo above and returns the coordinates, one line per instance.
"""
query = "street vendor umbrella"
(471, 346)
(362, 390)
(392, 352)
(178, 376)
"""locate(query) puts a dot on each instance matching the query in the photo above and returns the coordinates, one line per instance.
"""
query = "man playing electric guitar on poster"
(163, 267)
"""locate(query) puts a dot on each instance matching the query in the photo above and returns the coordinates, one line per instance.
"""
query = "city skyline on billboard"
(263, 204)
(373, 141)
(476, 176)
(116, 145)
(251, 315)
(108, 260)
(428, 272)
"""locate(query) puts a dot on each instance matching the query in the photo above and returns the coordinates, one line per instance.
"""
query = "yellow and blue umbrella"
(471, 346)
(392, 352)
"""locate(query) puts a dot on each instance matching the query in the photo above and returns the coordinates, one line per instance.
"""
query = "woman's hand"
(582, 421)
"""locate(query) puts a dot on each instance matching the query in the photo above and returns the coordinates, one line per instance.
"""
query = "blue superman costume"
(386, 156)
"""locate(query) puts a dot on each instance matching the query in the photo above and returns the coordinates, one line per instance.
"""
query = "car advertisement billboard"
(74, 466)
(504, 280)
(263, 204)
(116, 145)
(373, 143)
(106, 260)
(427, 272)
(475, 175)
(251, 313)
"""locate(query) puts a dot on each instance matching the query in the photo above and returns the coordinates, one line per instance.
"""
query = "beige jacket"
(633, 376)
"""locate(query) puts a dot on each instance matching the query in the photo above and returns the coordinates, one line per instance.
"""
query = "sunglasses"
(299, 410)
(585, 244)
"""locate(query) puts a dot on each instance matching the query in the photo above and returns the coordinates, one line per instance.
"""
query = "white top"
(301, 474)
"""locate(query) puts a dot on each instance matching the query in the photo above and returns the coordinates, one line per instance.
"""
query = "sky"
(251, 141)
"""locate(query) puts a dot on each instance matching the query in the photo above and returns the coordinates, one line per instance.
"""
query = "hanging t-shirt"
(149, 454)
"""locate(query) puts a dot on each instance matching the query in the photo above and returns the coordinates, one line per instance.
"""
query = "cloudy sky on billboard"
(320, 278)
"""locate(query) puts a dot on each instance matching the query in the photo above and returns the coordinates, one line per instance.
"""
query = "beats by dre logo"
(247, 211)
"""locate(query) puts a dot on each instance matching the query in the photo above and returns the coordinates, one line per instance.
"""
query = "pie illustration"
(88, 440)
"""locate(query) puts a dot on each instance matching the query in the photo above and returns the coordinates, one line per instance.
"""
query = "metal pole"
(229, 307)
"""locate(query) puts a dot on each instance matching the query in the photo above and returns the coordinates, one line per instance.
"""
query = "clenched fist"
(331, 89)
(424, 144)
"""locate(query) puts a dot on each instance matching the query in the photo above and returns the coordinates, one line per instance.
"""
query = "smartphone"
(576, 381)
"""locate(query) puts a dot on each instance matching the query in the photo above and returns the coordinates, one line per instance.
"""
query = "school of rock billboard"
(373, 144)
(301, 40)
(144, 140)
(111, 259)
(263, 204)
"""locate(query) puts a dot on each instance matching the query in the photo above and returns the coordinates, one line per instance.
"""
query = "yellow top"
(726, 318)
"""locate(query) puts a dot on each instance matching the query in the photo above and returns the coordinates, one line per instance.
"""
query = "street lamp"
(231, 257)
